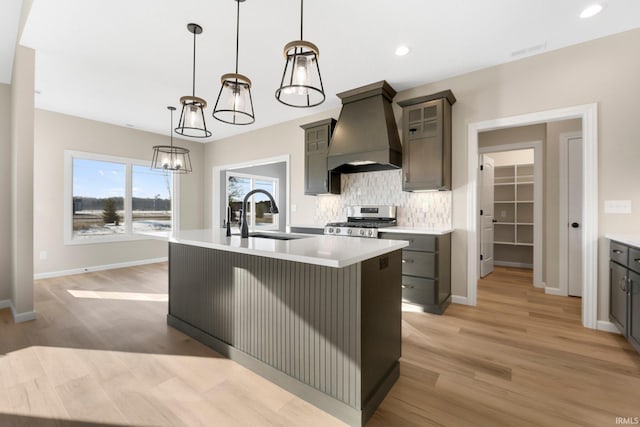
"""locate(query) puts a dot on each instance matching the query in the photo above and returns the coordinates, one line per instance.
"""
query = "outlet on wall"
(43, 255)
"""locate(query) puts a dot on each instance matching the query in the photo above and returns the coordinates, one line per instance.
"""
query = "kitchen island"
(318, 315)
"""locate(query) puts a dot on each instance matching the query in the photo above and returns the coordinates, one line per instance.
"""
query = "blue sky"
(93, 178)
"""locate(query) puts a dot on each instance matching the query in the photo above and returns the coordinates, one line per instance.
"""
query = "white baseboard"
(456, 299)
(512, 264)
(22, 317)
(554, 291)
(603, 325)
(98, 268)
(17, 317)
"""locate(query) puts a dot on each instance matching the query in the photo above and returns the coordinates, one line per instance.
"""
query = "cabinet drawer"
(634, 259)
(416, 242)
(419, 291)
(618, 252)
(419, 264)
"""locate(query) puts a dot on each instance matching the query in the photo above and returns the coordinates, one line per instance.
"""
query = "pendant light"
(170, 157)
(301, 84)
(192, 122)
(234, 104)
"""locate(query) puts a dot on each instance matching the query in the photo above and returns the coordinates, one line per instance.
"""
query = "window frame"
(253, 178)
(129, 235)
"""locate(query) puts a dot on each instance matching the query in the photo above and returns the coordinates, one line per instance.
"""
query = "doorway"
(513, 236)
(589, 230)
(231, 182)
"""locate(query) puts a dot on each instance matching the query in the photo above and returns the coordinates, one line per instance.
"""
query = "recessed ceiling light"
(590, 11)
(402, 50)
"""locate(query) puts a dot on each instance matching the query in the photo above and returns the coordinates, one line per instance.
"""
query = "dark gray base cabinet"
(624, 291)
(331, 336)
(426, 270)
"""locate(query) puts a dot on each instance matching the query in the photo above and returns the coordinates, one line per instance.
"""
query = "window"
(114, 198)
(259, 214)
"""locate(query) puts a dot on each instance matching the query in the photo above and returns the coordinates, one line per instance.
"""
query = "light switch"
(617, 206)
(293, 208)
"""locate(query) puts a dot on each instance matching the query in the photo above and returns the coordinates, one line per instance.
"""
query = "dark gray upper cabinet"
(317, 178)
(426, 142)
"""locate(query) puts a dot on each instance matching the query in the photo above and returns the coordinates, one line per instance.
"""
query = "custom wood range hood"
(366, 136)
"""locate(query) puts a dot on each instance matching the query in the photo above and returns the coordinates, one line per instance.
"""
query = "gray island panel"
(330, 335)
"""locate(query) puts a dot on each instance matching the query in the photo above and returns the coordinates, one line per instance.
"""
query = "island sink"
(275, 236)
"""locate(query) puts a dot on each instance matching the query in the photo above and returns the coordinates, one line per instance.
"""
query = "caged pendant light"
(301, 84)
(234, 104)
(170, 157)
(192, 121)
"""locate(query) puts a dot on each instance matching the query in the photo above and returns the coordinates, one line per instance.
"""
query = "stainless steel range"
(363, 221)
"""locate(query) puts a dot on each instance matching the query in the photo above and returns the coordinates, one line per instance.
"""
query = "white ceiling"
(123, 61)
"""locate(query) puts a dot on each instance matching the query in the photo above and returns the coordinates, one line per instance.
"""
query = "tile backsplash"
(426, 210)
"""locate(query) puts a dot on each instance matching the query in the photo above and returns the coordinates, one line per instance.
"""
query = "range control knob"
(362, 232)
(370, 233)
(330, 230)
(337, 231)
(349, 232)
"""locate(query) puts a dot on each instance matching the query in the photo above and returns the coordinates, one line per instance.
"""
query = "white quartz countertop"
(330, 251)
(631, 239)
(394, 229)
(416, 230)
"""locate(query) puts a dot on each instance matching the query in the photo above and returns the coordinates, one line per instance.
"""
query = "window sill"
(147, 235)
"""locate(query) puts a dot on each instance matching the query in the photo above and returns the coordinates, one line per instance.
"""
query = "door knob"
(575, 225)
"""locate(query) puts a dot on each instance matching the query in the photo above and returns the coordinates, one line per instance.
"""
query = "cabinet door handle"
(622, 284)
(617, 251)
(407, 261)
(407, 286)
(406, 177)
(636, 260)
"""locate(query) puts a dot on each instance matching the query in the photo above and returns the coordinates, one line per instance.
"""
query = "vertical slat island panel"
(329, 335)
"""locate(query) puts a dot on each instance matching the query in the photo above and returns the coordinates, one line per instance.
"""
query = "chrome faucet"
(244, 232)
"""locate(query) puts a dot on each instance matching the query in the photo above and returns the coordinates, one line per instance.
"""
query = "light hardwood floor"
(103, 355)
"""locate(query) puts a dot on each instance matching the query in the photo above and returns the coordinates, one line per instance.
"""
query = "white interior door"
(486, 215)
(575, 216)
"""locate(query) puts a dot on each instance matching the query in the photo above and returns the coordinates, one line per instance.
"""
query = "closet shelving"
(513, 209)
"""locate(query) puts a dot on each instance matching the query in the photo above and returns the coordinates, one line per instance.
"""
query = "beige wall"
(55, 133)
(603, 71)
(514, 157)
(283, 139)
(5, 192)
